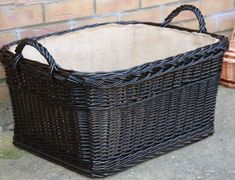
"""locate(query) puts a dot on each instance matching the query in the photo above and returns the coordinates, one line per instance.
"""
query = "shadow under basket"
(137, 90)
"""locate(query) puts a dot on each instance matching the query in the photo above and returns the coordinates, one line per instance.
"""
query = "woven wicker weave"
(228, 70)
(101, 123)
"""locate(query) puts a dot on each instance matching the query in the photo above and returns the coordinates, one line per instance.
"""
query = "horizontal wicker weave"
(100, 123)
(227, 77)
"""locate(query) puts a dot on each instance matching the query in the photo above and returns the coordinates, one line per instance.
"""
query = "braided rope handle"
(53, 66)
(195, 10)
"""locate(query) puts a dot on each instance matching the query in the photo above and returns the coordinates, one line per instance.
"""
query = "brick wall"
(24, 18)
(27, 18)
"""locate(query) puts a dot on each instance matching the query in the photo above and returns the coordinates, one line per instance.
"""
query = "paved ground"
(212, 159)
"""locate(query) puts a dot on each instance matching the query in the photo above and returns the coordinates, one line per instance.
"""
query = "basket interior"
(115, 47)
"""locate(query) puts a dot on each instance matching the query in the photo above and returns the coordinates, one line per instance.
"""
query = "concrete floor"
(212, 158)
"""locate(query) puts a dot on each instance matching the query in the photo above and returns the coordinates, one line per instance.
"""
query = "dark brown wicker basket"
(101, 123)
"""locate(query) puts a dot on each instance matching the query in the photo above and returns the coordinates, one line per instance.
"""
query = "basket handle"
(195, 10)
(53, 66)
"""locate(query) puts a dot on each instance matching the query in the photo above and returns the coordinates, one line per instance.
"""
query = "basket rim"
(133, 75)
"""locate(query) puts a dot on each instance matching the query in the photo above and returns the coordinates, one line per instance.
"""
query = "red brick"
(193, 24)
(108, 6)
(3, 2)
(211, 24)
(34, 1)
(4, 39)
(17, 16)
(69, 9)
(226, 21)
(7, 37)
(28, 1)
(147, 3)
(212, 6)
(227, 33)
(153, 15)
(80, 23)
(41, 30)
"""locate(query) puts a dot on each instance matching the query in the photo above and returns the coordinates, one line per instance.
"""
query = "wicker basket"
(228, 70)
(151, 89)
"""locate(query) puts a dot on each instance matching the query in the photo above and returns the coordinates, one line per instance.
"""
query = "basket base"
(227, 83)
(188, 139)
